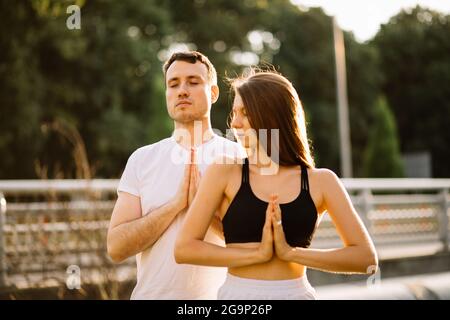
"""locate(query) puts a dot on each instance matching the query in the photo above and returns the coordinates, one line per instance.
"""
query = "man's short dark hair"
(193, 57)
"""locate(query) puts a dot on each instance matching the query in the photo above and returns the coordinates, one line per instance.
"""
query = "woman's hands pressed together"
(282, 248)
(273, 237)
(266, 247)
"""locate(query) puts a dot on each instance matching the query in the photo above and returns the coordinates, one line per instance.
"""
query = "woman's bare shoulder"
(321, 174)
(322, 182)
(322, 177)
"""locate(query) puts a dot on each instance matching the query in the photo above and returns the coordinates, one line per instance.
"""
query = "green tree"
(20, 91)
(103, 79)
(363, 86)
(413, 48)
(383, 158)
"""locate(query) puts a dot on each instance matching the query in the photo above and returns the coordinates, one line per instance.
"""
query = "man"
(160, 181)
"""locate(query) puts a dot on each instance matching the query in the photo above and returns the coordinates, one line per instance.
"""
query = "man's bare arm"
(130, 233)
(131, 237)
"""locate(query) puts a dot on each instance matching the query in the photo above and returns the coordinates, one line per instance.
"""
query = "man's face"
(188, 93)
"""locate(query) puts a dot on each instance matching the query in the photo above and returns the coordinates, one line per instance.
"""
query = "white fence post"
(443, 220)
(2, 241)
(366, 205)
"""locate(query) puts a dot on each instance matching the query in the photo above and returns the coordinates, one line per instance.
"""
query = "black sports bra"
(245, 217)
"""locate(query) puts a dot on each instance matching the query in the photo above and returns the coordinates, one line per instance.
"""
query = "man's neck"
(193, 134)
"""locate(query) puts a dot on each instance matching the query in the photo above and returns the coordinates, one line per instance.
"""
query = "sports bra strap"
(245, 172)
(304, 175)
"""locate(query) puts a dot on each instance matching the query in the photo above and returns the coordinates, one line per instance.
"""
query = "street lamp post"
(341, 93)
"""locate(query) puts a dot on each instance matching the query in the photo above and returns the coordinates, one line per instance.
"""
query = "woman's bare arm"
(190, 245)
(358, 254)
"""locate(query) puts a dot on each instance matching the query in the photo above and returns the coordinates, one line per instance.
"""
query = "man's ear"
(214, 93)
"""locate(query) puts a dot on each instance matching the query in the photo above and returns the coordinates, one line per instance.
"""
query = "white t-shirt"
(154, 173)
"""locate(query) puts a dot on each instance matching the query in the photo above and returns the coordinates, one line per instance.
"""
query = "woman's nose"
(236, 123)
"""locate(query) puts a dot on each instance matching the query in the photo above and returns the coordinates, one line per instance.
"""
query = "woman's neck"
(261, 160)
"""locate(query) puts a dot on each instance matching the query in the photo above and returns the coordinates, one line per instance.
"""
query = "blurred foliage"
(383, 158)
(105, 79)
(414, 50)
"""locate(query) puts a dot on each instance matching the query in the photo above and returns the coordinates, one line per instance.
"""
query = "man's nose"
(183, 91)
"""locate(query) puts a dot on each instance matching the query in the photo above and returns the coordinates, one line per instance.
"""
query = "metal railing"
(47, 226)
(397, 211)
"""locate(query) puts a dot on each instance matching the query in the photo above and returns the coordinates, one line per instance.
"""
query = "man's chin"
(186, 118)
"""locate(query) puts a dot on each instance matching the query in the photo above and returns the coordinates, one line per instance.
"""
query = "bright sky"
(364, 17)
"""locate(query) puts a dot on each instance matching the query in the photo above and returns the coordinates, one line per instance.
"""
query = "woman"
(272, 203)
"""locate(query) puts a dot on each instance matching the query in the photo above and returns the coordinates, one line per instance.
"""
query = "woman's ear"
(214, 93)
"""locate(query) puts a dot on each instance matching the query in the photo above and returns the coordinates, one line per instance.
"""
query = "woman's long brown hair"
(271, 102)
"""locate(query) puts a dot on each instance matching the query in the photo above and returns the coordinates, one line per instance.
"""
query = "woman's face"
(242, 130)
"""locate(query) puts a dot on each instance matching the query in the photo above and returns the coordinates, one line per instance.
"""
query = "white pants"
(236, 288)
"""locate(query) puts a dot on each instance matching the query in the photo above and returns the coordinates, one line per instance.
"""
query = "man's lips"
(184, 102)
